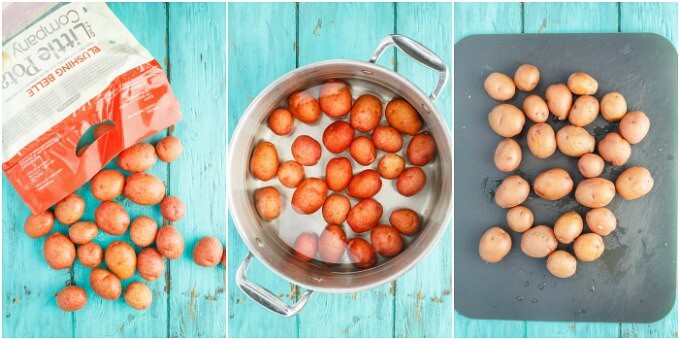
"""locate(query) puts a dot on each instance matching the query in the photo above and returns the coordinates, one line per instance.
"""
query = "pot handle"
(420, 54)
(264, 297)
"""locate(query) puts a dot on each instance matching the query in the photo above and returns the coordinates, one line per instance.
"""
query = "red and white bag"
(69, 69)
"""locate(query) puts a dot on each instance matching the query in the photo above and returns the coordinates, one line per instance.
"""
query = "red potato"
(574, 141)
(584, 111)
(169, 242)
(494, 245)
(335, 98)
(634, 183)
(169, 149)
(362, 150)
(421, 149)
(506, 120)
(386, 240)
(512, 192)
(335, 209)
(144, 189)
(70, 209)
(208, 252)
(105, 284)
(405, 220)
(519, 218)
(291, 174)
(595, 192)
(121, 259)
(268, 203)
(499, 86)
(338, 136)
(264, 162)
(387, 138)
(403, 117)
(281, 122)
(150, 264)
(332, 244)
(364, 215)
(309, 196)
(305, 246)
(559, 99)
(143, 231)
(582, 84)
(391, 166)
(138, 296)
(338, 173)
(304, 107)
(365, 184)
(634, 126)
(71, 299)
(83, 232)
(411, 181)
(553, 184)
(137, 158)
(614, 149)
(172, 208)
(90, 254)
(541, 140)
(601, 221)
(590, 165)
(526, 77)
(535, 109)
(39, 225)
(360, 252)
(613, 107)
(306, 150)
(588, 247)
(107, 185)
(366, 113)
(112, 218)
(59, 251)
(538, 242)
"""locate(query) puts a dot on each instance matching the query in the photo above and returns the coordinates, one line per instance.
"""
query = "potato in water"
(304, 107)
(335, 98)
(264, 163)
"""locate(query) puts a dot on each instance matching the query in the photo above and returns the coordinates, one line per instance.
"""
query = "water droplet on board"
(526, 284)
(534, 300)
(542, 285)
(520, 298)
(592, 289)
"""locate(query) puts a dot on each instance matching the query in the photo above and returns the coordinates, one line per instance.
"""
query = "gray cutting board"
(635, 279)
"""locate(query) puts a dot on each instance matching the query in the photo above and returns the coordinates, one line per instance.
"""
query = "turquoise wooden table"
(269, 40)
(188, 40)
(471, 18)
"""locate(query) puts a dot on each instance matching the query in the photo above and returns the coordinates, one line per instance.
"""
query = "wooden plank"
(259, 52)
(197, 303)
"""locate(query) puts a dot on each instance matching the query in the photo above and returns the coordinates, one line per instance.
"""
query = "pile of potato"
(60, 251)
(361, 136)
(574, 141)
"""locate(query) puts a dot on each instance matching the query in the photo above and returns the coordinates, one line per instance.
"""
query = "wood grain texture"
(656, 17)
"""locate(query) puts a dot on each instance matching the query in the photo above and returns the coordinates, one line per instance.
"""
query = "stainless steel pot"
(270, 241)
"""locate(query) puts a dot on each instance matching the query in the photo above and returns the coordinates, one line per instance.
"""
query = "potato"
(584, 111)
(268, 203)
(172, 208)
(137, 158)
(59, 251)
(362, 150)
(538, 242)
(338, 173)
(138, 296)
(614, 149)
(601, 221)
(364, 215)
(582, 83)
(112, 218)
(208, 252)
(634, 183)
(590, 165)
(366, 113)
(553, 184)
(588, 247)
(291, 174)
(150, 264)
(360, 253)
(494, 245)
(169, 242)
(39, 225)
(386, 240)
(281, 122)
(561, 264)
(634, 126)
(559, 100)
(335, 209)
(499, 86)
(143, 231)
(405, 220)
(332, 244)
(105, 284)
(541, 140)
(121, 259)
(169, 149)
(264, 163)
(71, 298)
(309, 196)
(107, 185)
(338, 136)
(526, 77)
(421, 149)
(403, 117)
(391, 166)
(411, 181)
(506, 120)
(70, 209)
(568, 227)
(90, 254)
(535, 109)
(519, 218)
(512, 192)
(613, 106)
(82, 232)
(224, 258)
(508, 155)
(575, 141)
(595, 192)
(144, 189)
(387, 138)
(304, 107)
(305, 246)
(306, 150)
(335, 98)
(365, 184)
